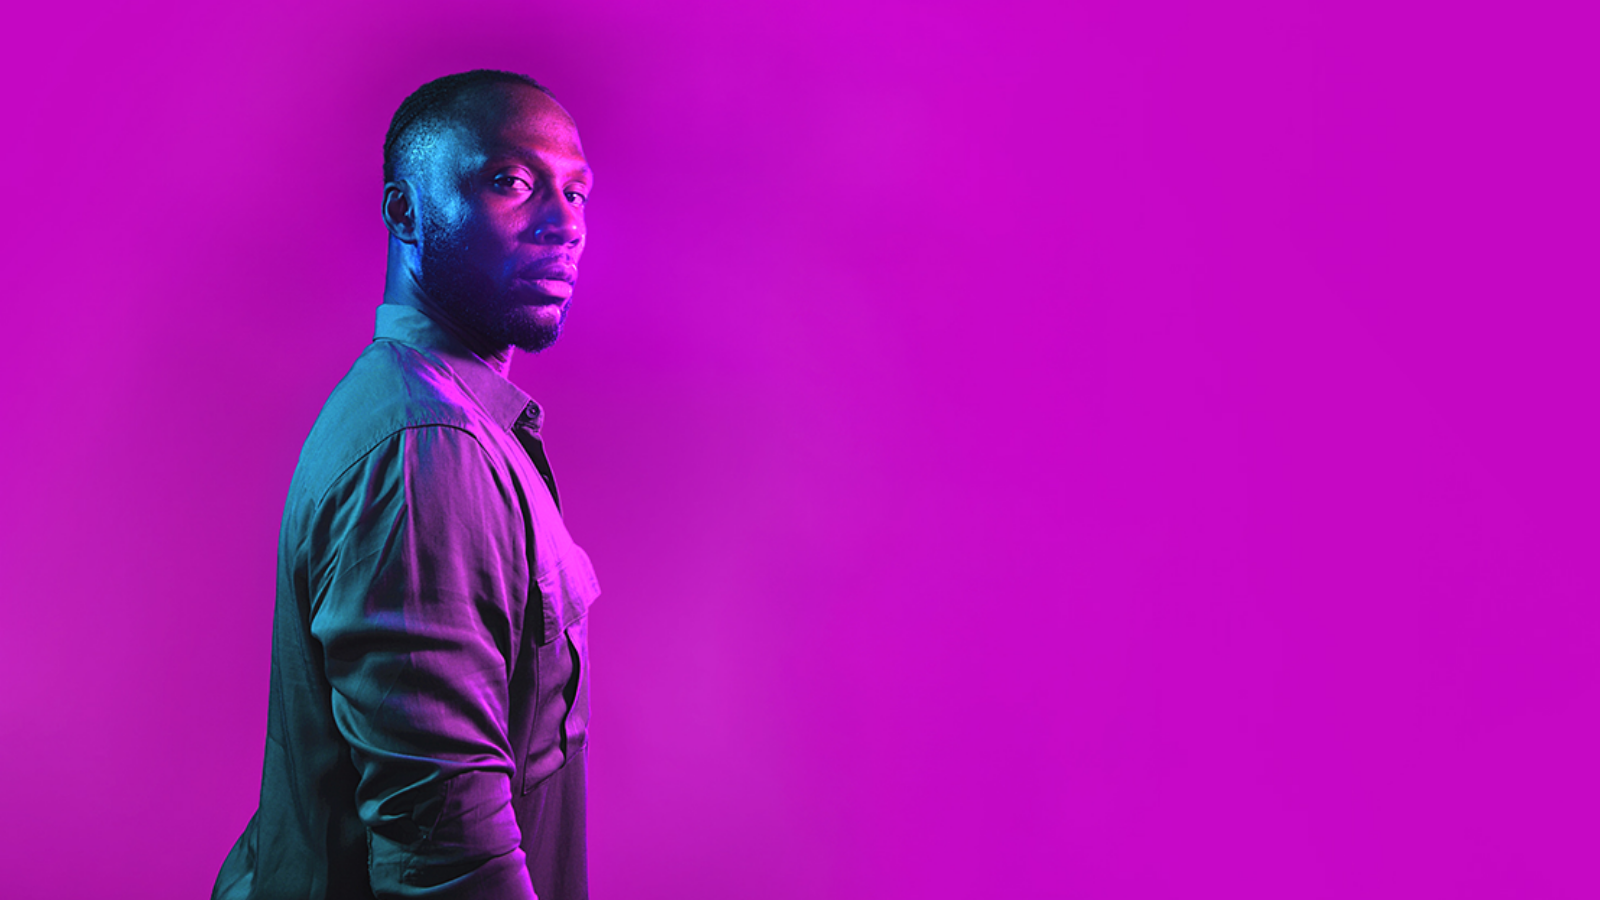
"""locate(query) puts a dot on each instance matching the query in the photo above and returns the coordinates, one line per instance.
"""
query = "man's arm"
(414, 602)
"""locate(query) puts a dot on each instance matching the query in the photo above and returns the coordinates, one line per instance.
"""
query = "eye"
(508, 182)
(576, 198)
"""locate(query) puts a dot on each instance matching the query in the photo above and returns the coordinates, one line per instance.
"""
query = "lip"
(553, 278)
(553, 270)
(554, 288)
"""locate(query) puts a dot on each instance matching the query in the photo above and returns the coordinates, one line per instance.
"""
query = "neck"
(401, 288)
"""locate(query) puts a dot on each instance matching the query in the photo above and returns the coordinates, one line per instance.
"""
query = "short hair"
(428, 107)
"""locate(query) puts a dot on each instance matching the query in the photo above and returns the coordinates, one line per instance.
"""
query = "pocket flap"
(567, 589)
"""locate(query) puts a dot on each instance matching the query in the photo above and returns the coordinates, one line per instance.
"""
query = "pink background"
(1096, 450)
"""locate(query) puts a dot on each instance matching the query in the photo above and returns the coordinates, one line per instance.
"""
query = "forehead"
(514, 119)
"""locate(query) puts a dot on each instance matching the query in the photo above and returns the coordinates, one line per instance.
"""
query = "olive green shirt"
(429, 649)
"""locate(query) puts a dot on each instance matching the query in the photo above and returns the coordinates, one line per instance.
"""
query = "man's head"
(484, 194)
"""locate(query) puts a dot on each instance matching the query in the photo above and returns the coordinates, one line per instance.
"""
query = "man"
(429, 692)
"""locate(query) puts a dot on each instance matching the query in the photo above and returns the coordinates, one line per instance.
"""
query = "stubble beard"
(476, 301)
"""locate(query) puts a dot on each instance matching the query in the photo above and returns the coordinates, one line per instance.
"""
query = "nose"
(559, 222)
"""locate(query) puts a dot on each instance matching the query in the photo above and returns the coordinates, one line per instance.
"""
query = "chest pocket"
(559, 726)
(566, 590)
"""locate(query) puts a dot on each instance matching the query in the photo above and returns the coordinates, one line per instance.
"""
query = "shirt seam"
(359, 458)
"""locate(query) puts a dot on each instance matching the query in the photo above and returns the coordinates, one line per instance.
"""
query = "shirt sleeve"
(415, 602)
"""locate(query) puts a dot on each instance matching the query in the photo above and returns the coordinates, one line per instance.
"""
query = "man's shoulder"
(391, 388)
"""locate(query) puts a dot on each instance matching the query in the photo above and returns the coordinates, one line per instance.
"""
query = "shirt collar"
(503, 400)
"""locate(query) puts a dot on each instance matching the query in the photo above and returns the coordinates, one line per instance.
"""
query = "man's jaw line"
(413, 295)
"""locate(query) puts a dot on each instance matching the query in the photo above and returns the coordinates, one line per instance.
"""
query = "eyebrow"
(508, 150)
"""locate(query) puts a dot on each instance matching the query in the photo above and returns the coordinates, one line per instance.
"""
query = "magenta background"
(1118, 451)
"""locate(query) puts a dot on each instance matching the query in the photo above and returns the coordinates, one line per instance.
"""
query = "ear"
(400, 210)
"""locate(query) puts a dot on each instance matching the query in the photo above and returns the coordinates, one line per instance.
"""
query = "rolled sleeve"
(416, 603)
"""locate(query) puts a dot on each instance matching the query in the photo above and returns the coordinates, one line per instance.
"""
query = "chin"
(533, 343)
(533, 330)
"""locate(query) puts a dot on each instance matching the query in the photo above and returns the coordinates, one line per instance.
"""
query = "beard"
(490, 307)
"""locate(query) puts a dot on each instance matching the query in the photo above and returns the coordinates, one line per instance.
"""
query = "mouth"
(554, 288)
(553, 279)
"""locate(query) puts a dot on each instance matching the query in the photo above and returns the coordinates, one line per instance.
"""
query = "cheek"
(487, 244)
(501, 235)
